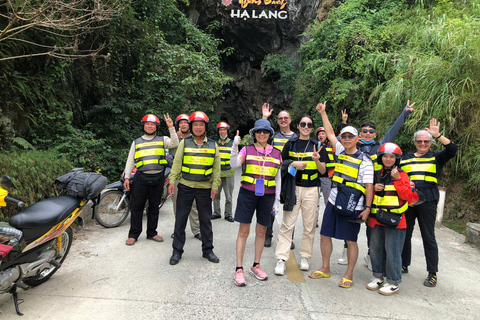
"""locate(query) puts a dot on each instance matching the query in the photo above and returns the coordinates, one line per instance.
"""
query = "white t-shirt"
(365, 175)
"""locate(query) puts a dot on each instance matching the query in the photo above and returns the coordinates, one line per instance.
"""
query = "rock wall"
(255, 29)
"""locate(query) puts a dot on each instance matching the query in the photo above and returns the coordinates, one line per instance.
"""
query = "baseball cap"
(349, 129)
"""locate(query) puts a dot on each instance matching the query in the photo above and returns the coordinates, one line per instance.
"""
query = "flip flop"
(344, 281)
(319, 274)
(156, 238)
(130, 241)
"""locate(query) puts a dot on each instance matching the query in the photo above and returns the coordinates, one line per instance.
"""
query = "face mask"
(224, 138)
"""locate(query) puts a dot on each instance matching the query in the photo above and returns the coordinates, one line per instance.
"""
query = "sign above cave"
(257, 9)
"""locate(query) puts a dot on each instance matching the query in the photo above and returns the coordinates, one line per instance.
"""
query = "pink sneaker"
(258, 273)
(240, 278)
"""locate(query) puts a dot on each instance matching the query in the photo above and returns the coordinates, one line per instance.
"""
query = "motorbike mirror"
(6, 182)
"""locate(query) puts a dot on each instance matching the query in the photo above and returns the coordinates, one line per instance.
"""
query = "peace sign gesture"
(344, 116)
(168, 121)
(316, 154)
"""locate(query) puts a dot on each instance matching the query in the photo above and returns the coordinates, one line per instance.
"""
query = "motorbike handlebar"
(14, 201)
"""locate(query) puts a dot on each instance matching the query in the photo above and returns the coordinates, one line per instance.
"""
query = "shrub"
(33, 174)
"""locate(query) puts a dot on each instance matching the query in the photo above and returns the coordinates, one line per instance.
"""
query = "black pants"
(426, 214)
(269, 233)
(185, 198)
(140, 194)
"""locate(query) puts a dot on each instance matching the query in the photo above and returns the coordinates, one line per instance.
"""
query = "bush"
(33, 174)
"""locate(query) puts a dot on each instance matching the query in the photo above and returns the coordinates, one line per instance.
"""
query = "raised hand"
(321, 107)
(344, 116)
(395, 174)
(409, 106)
(316, 154)
(266, 111)
(434, 129)
(168, 121)
(237, 138)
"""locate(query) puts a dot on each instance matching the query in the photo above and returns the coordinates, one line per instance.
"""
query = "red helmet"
(183, 116)
(150, 118)
(199, 116)
(319, 129)
(223, 125)
(390, 148)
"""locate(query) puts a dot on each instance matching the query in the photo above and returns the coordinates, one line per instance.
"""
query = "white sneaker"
(389, 289)
(368, 261)
(375, 284)
(304, 266)
(343, 259)
(280, 268)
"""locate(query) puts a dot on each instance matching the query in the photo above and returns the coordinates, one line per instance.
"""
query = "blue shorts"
(248, 203)
(337, 226)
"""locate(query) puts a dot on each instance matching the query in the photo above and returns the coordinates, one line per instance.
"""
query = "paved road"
(104, 279)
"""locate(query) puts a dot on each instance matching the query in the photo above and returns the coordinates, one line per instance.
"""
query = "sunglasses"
(304, 124)
(423, 141)
(283, 118)
(368, 130)
(264, 131)
(348, 137)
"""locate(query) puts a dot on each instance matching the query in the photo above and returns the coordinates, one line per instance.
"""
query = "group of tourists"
(360, 179)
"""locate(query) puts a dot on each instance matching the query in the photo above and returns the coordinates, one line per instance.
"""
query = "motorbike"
(114, 204)
(45, 238)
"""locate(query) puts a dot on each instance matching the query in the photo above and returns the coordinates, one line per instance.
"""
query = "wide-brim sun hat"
(261, 124)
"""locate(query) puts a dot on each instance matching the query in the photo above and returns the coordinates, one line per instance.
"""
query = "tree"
(53, 27)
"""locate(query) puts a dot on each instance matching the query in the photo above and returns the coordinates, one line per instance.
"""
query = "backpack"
(85, 185)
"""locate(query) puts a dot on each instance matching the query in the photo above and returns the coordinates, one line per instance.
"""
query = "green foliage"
(90, 110)
(370, 57)
(33, 174)
(282, 71)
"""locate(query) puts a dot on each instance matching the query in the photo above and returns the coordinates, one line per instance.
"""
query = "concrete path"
(104, 279)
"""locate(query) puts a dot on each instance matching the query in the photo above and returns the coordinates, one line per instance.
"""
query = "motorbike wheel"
(105, 212)
(67, 239)
(165, 196)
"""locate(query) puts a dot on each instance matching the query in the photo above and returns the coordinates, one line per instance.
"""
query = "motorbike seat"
(45, 213)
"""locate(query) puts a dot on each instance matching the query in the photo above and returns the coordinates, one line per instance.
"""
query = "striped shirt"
(365, 175)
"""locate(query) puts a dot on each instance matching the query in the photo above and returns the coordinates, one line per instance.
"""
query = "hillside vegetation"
(368, 57)
(371, 56)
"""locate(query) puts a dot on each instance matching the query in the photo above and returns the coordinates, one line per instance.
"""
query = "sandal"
(130, 241)
(319, 274)
(344, 282)
(156, 238)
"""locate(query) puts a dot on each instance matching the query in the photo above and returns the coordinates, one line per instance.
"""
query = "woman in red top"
(392, 193)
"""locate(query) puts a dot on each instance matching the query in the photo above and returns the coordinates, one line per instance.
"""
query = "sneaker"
(240, 278)
(431, 280)
(304, 266)
(258, 273)
(389, 289)
(375, 284)
(268, 241)
(368, 261)
(280, 268)
(404, 269)
(343, 259)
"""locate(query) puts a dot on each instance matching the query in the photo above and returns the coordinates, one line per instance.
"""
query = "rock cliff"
(255, 29)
